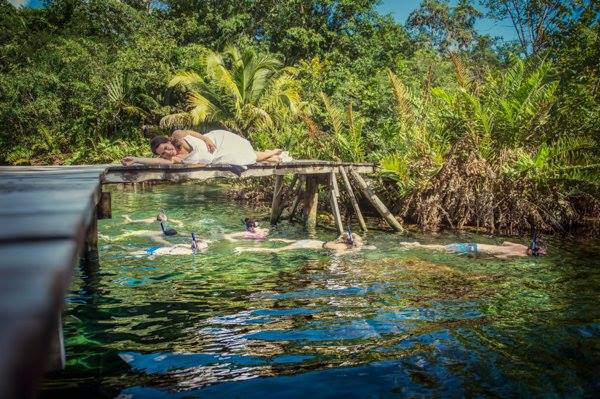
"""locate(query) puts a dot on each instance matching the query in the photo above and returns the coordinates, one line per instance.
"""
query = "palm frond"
(333, 114)
(186, 79)
(404, 107)
(181, 120)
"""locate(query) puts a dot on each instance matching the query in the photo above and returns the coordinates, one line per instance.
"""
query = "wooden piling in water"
(297, 198)
(91, 238)
(334, 193)
(311, 200)
(376, 202)
(104, 207)
(276, 207)
(353, 201)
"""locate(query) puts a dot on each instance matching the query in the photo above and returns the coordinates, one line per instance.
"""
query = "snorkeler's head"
(250, 224)
(535, 250)
(351, 239)
(162, 217)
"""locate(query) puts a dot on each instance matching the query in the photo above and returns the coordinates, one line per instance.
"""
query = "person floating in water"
(252, 232)
(346, 242)
(161, 217)
(504, 251)
(177, 249)
(155, 236)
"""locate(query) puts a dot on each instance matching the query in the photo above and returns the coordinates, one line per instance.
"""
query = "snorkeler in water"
(506, 250)
(252, 232)
(344, 243)
(161, 217)
(177, 249)
(156, 236)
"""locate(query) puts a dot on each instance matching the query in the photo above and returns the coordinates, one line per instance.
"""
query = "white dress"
(231, 149)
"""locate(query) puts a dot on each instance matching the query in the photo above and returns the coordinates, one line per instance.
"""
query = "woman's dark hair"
(156, 141)
(250, 223)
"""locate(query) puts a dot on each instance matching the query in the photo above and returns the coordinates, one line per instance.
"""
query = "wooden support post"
(104, 207)
(297, 198)
(334, 193)
(376, 202)
(311, 200)
(276, 207)
(58, 358)
(91, 239)
(353, 200)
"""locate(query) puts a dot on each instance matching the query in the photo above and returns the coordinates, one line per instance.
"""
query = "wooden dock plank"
(177, 173)
(34, 278)
(55, 201)
(38, 227)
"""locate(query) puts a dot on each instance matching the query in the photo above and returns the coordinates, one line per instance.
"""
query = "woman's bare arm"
(129, 160)
(180, 134)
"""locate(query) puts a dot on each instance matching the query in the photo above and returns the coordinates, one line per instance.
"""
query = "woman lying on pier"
(213, 148)
(345, 242)
(504, 251)
(253, 232)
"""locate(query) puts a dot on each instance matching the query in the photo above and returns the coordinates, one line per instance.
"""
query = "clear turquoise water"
(377, 324)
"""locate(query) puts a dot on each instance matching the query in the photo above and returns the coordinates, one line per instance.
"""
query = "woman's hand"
(210, 144)
(128, 160)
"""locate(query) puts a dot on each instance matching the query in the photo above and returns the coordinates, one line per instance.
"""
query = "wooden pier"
(50, 215)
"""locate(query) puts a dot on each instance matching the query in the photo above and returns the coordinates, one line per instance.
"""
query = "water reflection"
(385, 323)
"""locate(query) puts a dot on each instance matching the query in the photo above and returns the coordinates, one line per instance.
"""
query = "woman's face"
(166, 150)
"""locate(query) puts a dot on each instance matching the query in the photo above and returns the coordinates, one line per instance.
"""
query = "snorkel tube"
(166, 230)
(194, 243)
(350, 237)
(534, 247)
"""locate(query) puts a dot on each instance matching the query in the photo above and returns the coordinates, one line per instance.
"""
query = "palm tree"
(242, 90)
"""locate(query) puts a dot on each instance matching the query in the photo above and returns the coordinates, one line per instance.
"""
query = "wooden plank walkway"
(177, 173)
(47, 213)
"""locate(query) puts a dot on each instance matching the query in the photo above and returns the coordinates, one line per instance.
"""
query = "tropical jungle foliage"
(467, 130)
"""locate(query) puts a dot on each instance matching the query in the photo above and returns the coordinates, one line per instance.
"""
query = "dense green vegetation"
(468, 131)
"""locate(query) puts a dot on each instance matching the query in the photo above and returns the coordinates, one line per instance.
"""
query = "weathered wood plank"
(39, 227)
(276, 207)
(178, 173)
(56, 201)
(311, 201)
(333, 198)
(376, 202)
(104, 207)
(34, 278)
(297, 197)
(353, 200)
